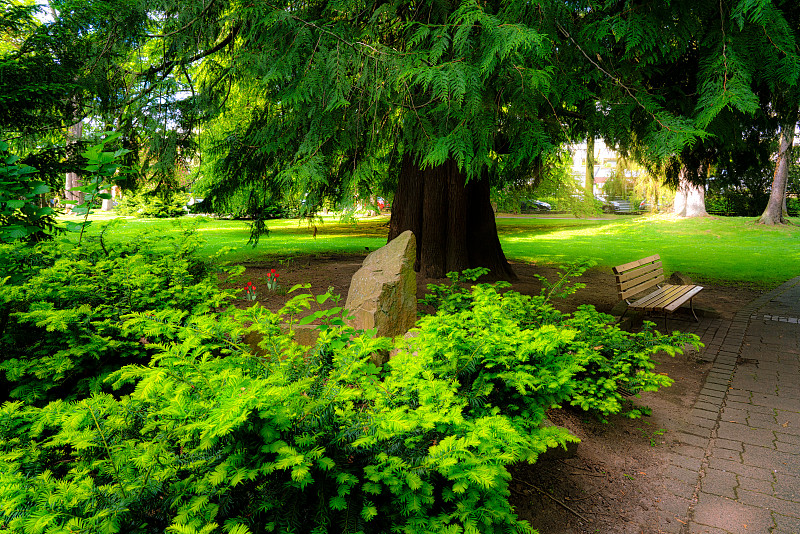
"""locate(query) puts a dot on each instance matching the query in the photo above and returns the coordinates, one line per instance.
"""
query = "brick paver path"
(736, 465)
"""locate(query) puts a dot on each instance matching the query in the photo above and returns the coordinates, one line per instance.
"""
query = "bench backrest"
(639, 275)
(623, 206)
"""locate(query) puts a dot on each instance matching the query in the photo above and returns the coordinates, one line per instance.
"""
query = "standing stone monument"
(383, 292)
(679, 279)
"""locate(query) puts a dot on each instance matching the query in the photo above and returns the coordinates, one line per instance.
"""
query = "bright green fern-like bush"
(61, 310)
(496, 360)
(613, 363)
(616, 363)
(218, 436)
(150, 204)
(167, 415)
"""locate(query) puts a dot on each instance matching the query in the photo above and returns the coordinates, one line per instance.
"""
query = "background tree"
(59, 74)
(588, 185)
(447, 97)
(324, 100)
(741, 166)
(776, 211)
(728, 61)
(778, 75)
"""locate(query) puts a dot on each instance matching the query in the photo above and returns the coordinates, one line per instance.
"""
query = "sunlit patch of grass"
(710, 249)
(286, 236)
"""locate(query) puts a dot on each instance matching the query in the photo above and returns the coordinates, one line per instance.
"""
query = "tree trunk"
(656, 197)
(432, 244)
(690, 199)
(453, 222)
(72, 178)
(108, 203)
(407, 204)
(457, 254)
(775, 212)
(588, 185)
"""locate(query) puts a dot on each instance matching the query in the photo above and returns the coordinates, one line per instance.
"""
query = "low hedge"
(187, 428)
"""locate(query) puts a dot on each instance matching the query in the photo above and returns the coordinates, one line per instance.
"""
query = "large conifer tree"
(442, 94)
(325, 97)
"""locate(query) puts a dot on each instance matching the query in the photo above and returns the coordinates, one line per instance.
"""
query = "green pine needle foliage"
(612, 363)
(60, 311)
(185, 416)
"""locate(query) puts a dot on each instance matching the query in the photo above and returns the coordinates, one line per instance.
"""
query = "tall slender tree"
(588, 184)
(775, 212)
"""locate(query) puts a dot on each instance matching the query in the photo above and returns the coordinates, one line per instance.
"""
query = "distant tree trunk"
(72, 178)
(655, 198)
(690, 199)
(74, 134)
(53, 12)
(453, 222)
(588, 185)
(775, 212)
(108, 203)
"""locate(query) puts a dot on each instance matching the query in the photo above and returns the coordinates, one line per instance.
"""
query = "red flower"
(272, 271)
(276, 275)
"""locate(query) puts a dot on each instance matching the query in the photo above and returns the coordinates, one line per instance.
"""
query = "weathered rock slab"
(383, 292)
(679, 279)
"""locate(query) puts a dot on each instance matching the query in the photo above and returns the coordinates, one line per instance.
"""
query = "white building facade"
(605, 163)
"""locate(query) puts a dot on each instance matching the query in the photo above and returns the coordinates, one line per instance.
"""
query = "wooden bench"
(623, 206)
(638, 278)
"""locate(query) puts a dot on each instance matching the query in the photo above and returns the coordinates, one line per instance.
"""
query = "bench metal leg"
(691, 307)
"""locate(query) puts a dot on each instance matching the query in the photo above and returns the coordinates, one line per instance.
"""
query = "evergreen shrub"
(733, 203)
(148, 204)
(793, 206)
(744, 204)
(206, 430)
(509, 200)
(613, 364)
(215, 435)
(738, 202)
(61, 309)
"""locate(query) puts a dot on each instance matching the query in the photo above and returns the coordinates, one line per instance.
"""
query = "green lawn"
(287, 237)
(732, 249)
(713, 249)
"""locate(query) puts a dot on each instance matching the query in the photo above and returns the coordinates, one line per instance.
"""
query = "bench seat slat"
(651, 299)
(661, 298)
(686, 296)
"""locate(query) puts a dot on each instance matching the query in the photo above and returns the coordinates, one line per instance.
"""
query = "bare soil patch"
(615, 484)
